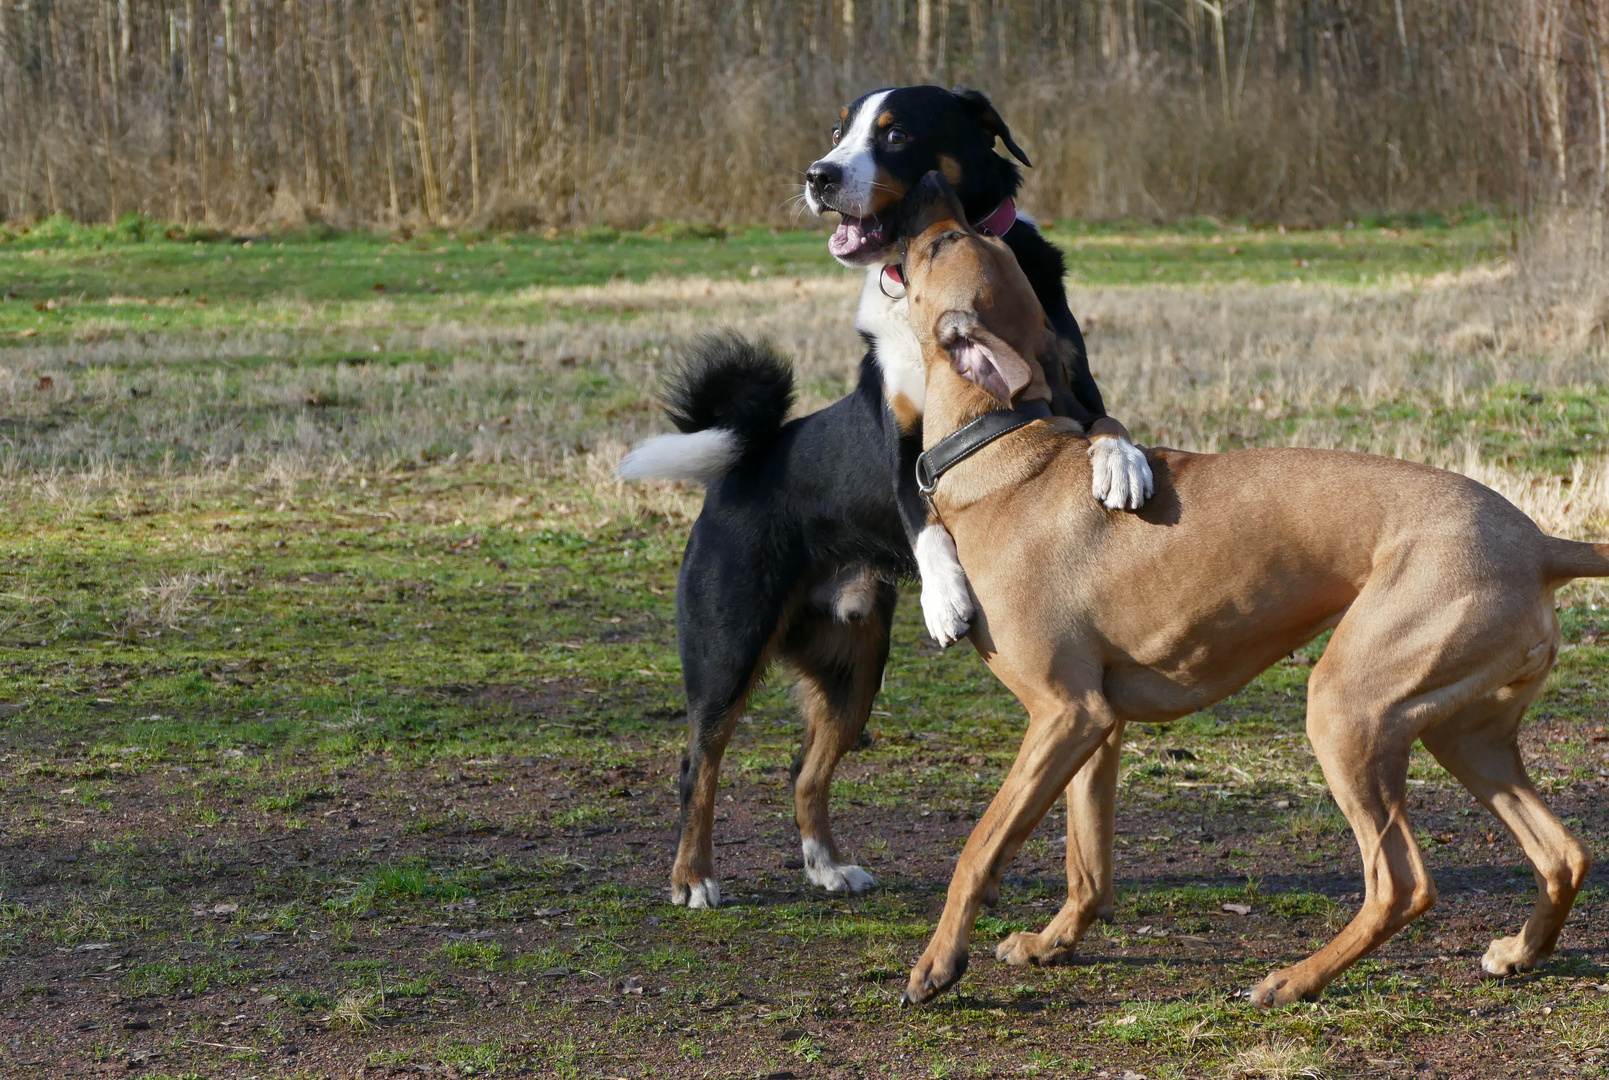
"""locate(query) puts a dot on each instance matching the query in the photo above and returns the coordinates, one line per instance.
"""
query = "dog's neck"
(952, 403)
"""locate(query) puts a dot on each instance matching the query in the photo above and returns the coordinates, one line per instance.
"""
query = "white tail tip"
(700, 456)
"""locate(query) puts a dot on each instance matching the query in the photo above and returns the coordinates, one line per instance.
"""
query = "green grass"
(412, 729)
(65, 282)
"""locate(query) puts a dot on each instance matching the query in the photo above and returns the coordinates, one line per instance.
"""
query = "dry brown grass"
(1278, 1059)
(548, 387)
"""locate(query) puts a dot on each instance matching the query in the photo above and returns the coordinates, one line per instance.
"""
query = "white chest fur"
(888, 323)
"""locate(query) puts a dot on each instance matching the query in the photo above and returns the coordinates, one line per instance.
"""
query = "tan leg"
(840, 669)
(1484, 757)
(1091, 810)
(1059, 740)
(1365, 761)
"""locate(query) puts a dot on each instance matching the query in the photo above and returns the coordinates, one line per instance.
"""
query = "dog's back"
(1241, 557)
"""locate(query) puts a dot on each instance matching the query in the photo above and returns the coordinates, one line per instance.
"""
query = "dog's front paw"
(946, 598)
(1024, 948)
(1284, 987)
(934, 973)
(1120, 476)
(947, 610)
(1509, 956)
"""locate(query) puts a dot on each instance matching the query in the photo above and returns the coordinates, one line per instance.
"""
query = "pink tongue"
(847, 238)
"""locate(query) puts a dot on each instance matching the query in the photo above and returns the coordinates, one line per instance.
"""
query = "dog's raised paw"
(946, 598)
(1120, 477)
(1283, 988)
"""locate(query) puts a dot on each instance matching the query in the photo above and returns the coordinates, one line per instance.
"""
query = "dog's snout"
(823, 178)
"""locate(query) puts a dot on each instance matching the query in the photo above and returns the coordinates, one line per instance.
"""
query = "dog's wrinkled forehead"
(949, 266)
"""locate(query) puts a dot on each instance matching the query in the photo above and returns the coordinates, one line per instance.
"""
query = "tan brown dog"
(1439, 591)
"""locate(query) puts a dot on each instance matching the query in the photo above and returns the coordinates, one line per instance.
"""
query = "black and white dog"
(808, 524)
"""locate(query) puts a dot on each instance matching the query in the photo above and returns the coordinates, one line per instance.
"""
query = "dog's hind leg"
(1478, 747)
(1091, 811)
(840, 664)
(692, 877)
(1363, 750)
(726, 634)
(1464, 672)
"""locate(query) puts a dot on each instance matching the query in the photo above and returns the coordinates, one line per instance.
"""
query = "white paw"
(1120, 476)
(700, 894)
(946, 599)
(833, 876)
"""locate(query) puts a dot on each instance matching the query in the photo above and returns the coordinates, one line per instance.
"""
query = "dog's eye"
(837, 133)
(896, 136)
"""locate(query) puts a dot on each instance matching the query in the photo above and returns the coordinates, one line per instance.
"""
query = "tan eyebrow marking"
(886, 120)
(843, 113)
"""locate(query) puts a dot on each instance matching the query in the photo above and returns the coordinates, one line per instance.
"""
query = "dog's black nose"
(823, 178)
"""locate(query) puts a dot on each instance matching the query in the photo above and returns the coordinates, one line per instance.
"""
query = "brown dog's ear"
(1054, 359)
(980, 107)
(931, 200)
(986, 361)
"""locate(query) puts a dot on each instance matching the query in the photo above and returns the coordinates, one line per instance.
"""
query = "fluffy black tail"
(728, 399)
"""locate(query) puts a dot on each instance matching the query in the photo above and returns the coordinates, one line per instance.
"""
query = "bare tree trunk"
(924, 38)
(1545, 20)
(231, 67)
(104, 93)
(849, 44)
(1595, 20)
(471, 28)
(1215, 13)
(413, 61)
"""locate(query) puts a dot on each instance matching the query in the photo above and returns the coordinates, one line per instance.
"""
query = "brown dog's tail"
(1568, 559)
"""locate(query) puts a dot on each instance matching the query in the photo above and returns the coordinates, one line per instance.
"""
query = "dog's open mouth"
(859, 238)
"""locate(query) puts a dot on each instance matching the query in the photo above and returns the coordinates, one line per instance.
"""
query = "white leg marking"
(1120, 476)
(833, 876)
(701, 894)
(946, 597)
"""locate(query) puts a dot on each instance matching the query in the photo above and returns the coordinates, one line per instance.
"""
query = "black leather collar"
(968, 439)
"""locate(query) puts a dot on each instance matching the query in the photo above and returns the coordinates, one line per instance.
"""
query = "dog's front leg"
(1059, 740)
(1120, 477)
(1091, 811)
(947, 606)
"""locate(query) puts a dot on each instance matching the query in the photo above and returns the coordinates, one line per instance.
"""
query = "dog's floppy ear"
(981, 109)
(931, 200)
(1055, 359)
(983, 359)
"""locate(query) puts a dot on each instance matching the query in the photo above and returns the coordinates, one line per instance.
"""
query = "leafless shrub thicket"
(538, 112)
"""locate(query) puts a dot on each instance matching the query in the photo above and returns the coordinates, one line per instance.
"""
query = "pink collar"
(996, 224)
(999, 222)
